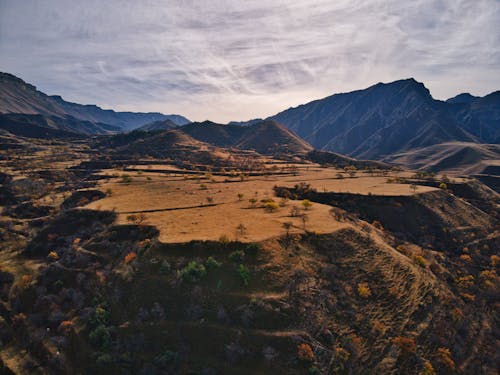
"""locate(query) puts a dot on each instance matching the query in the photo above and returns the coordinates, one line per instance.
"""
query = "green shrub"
(211, 263)
(193, 271)
(244, 274)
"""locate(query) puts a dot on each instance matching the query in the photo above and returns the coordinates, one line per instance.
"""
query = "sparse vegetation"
(306, 203)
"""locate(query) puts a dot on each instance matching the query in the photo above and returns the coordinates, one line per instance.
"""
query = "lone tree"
(413, 187)
(240, 197)
(252, 202)
(306, 203)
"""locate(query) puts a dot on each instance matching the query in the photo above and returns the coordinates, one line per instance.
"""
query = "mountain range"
(385, 119)
(19, 97)
(398, 122)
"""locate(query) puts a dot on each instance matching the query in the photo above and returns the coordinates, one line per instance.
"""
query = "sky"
(237, 60)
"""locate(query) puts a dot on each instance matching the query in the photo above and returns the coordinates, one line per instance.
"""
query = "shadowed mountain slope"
(40, 126)
(391, 118)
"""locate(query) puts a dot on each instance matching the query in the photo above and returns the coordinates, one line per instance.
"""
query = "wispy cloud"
(227, 60)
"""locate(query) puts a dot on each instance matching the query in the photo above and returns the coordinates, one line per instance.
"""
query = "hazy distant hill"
(454, 157)
(17, 96)
(158, 126)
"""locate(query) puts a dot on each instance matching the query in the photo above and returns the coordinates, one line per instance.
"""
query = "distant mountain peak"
(463, 98)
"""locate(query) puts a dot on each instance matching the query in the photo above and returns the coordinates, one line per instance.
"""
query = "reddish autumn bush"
(130, 257)
(305, 353)
(66, 327)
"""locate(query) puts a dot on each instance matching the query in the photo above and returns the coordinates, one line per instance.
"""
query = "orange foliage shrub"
(466, 281)
(305, 353)
(468, 297)
(443, 356)
(130, 257)
(26, 280)
(53, 255)
(427, 369)
(466, 258)
(66, 327)
(406, 345)
(364, 290)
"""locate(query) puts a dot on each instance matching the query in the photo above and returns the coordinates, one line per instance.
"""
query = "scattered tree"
(193, 271)
(270, 206)
(306, 203)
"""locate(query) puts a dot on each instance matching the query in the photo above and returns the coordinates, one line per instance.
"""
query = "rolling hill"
(17, 96)
(266, 137)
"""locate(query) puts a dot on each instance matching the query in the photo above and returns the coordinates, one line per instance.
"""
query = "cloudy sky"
(236, 60)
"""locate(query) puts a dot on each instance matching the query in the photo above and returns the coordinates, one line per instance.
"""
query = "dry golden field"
(208, 206)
